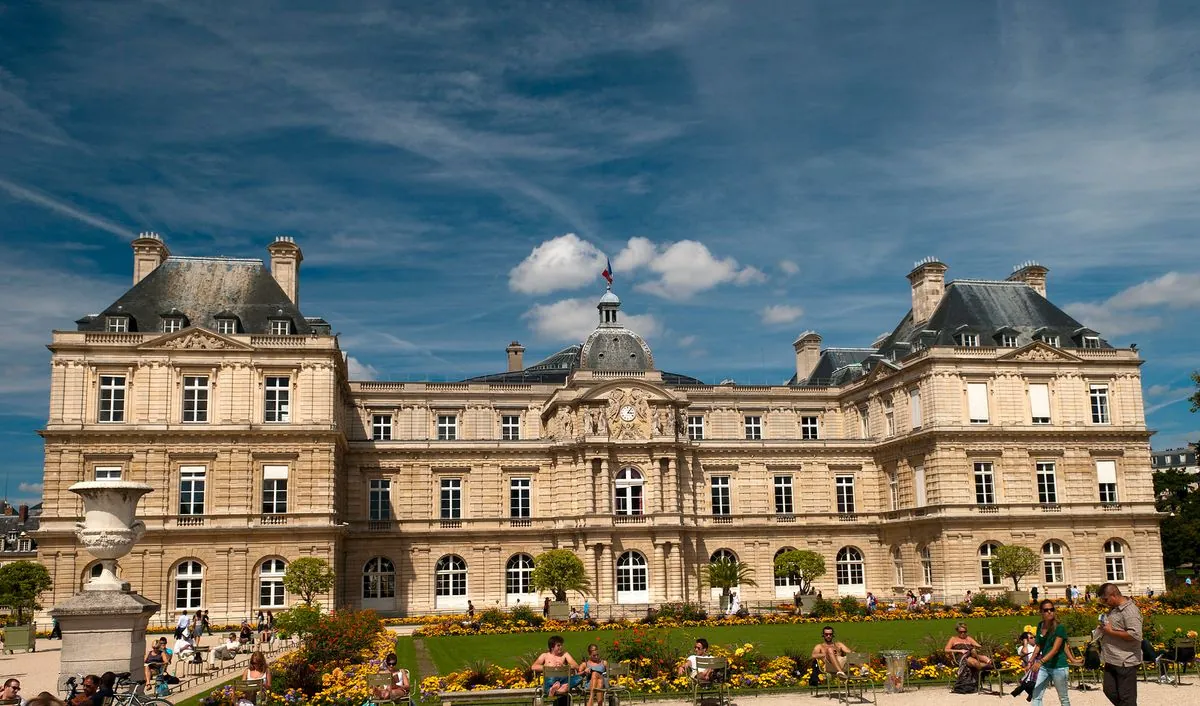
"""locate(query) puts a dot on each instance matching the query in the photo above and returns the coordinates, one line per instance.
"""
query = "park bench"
(490, 696)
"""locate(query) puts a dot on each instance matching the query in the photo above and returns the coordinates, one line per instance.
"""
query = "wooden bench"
(491, 696)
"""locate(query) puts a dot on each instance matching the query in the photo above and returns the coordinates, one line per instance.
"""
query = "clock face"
(628, 413)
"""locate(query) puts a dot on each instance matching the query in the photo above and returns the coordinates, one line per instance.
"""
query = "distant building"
(17, 527)
(1183, 459)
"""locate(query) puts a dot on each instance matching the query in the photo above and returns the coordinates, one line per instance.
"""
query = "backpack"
(1148, 654)
(1091, 656)
(814, 677)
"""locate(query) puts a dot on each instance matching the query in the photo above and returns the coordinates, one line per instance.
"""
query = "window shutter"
(914, 398)
(275, 472)
(919, 483)
(977, 401)
(1106, 471)
(1039, 400)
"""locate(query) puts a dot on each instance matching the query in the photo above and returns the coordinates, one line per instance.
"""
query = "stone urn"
(109, 529)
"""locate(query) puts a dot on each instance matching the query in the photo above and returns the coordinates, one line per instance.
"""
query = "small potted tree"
(308, 577)
(1015, 562)
(558, 571)
(20, 584)
(727, 574)
(802, 567)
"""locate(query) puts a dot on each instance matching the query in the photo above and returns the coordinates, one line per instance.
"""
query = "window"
(919, 484)
(227, 327)
(1008, 340)
(723, 555)
(627, 500)
(116, 324)
(379, 499)
(275, 490)
(754, 427)
(510, 427)
(1047, 486)
(783, 495)
(1099, 397)
(519, 491)
(695, 427)
(720, 495)
(633, 578)
(108, 472)
(381, 427)
(1052, 562)
(971, 340)
(189, 582)
(447, 427)
(171, 324)
(280, 327)
(24, 544)
(270, 584)
(985, 484)
(1091, 341)
(864, 422)
(1114, 560)
(518, 575)
(1039, 403)
(112, 398)
(1106, 478)
(278, 391)
(379, 578)
(849, 568)
(926, 566)
(889, 419)
(987, 575)
(1049, 339)
(809, 428)
(844, 486)
(195, 398)
(451, 576)
(451, 506)
(787, 581)
(191, 490)
(977, 402)
(914, 407)
(894, 490)
(897, 567)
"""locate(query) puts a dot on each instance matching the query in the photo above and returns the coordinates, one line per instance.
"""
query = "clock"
(628, 413)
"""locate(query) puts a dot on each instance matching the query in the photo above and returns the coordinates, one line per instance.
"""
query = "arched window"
(926, 566)
(270, 583)
(1052, 562)
(1114, 560)
(849, 570)
(627, 498)
(723, 555)
(633, 578)
(451, 581)
(789, 582)
(517, 577)
(986, 552)
(379, 578)
(897, 567)
(189, 584)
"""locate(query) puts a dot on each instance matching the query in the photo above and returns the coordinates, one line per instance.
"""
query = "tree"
(801, 566)
(1176, 498)
(20, 584)
(727, 574)
(1014, 562)
(308, 577)
(559, 571)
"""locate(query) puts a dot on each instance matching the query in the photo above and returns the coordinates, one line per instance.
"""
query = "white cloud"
(780, 314)
(359, 370)
(638, 252)
(687, 341)
(565, 262)
(571, 320)
(789, 267)
(30, 487)
(684, 267)
(1122, 313)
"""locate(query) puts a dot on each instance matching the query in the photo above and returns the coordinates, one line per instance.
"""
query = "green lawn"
(406, 657)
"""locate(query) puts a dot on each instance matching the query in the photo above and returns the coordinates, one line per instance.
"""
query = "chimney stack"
(285, 265)
(23, 513)
(516, 357)
(1031, 274)
(149, 251)
(928, 280)
(808, 353)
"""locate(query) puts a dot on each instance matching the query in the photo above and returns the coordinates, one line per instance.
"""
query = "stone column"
(607, 590)
(658, 577)
(671, 482)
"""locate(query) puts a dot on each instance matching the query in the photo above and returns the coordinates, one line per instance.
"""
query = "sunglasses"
(1047, 610)
(962, 632)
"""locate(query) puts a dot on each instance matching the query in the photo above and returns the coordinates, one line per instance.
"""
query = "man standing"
(1120, 635)
(1033, 593)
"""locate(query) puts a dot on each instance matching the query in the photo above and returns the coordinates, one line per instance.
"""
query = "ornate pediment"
(629, 414)
(1038, 352)
(194, 339)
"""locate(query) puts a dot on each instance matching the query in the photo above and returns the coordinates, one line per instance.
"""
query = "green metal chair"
(1177, 660)
(857, 676)
(717, 686)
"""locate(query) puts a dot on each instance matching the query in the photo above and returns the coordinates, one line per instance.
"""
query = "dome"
(610, 298)
(615, 348)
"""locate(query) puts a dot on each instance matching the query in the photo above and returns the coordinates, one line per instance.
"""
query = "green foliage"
(341, 636)
(823, 608)
(559, 571)
(524, 612)
(1181, 526)
(648, 653)
(726, 575)
(1195, 398)
(983, 600)
(20, 584)
(802, 566)
(492, 616)
(308, 577)
(682, 611)
(1182, 597)
(1078, 623)
(479, 672)
(298, 620)
(1015, 562)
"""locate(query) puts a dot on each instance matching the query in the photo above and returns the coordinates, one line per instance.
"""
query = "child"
(1025, 650)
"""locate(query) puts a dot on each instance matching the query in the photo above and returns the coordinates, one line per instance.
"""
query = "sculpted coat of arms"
(629, 414)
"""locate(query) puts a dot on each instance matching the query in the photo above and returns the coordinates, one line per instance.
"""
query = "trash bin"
(897, 670)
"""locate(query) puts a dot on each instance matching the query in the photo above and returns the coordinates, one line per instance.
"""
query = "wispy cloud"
(25, 193)
(1140, 307)
(776, 314)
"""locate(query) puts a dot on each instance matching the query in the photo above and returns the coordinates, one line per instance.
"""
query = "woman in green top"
(1050, 656)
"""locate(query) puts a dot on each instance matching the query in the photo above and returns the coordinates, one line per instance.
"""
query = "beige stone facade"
(425, 495)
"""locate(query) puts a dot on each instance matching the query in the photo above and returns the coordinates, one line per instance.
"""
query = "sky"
(457, 173)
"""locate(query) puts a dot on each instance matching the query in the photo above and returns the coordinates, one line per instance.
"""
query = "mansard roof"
(836, 366)
(559, 366)
(204, 289)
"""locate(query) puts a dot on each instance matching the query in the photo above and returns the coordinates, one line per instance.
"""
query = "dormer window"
(281, 327)
(1008, 340)
(171, 324)
(1091, 341)
(227, 327)
(1049, 339)
(116, 324)
(969, 340)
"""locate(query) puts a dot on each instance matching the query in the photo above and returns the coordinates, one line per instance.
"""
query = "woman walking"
(1050, 656)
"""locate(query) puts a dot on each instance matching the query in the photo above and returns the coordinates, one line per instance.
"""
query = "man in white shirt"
(225, 651)
(184, 650)
(181, 625)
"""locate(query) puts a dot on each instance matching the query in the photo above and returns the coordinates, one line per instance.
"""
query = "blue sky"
(456, 172)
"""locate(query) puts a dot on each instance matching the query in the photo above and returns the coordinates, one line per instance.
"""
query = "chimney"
(516, 357)
(149, 251)
(808, 352)
(285, 265)
(23, 513)
(1031, 274)
(928, 284)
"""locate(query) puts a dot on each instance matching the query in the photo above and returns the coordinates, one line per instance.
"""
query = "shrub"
(647, 653)
(850, 605)
(479, 673)
(823, 608)
(342, 636)
(491, 616)
(298, 620)
(682, 611)
(1183, 597)
(524, 612)
(1077, 623)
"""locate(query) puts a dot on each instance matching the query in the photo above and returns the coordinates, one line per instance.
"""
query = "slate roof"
(200, 288)
(557, 367)
(836, 366)
(12, 523)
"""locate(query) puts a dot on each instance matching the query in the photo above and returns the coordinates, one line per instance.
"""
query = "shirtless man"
(831, 652)
(689, 665)
(557, 656)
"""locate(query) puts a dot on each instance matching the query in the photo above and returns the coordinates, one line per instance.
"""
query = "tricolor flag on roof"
(607, 273)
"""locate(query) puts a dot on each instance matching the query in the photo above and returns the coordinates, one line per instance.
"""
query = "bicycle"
(125, 693)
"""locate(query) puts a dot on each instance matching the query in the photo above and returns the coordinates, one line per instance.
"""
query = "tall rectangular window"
(1099, 398)
(893, 490)
(195, 398)
(108, 472)
(864, 422)
(1047, 484)
(914, 407)
(112, 398)
(519, 492)
(977, 402)
(451, 505)
(275, 490)
(985, 484)
(1039, 402)
(809, 428)
(276, 403)
(1106, 477)
(191, 489)
(720, 495)
(844, 488)
(754, 427)
(783, 495)
(919, 485)
(379, 499)
(447, 427)
(381, 427)
(695, 427)
(510, 427)
(889, 419)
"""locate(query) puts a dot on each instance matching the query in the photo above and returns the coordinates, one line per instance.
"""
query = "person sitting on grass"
(399, 688)
(556, 656)
(700, 649)
(595, 672)
(831, 652)
(961, 646)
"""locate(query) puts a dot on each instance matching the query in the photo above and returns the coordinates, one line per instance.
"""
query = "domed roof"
(615, 348)
(610, 298)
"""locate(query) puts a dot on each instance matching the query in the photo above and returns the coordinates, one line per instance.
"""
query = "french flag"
(607, 273)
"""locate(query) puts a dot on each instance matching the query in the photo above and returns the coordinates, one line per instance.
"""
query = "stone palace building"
(987, 417)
